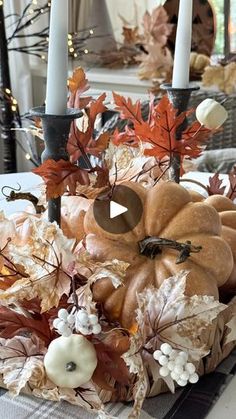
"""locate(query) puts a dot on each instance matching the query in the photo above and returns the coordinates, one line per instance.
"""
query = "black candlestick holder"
(56, 130)
(179, 98)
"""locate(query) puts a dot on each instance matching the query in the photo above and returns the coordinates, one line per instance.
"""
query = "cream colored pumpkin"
(70, 361)
(168, 212)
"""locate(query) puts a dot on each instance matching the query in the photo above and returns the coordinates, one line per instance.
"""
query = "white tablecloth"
(30, 182)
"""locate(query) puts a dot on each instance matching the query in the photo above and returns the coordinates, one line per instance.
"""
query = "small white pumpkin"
(70, 361)
(211, 114)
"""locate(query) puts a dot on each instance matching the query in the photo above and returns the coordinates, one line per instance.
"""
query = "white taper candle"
(183, 45)
(56, 96)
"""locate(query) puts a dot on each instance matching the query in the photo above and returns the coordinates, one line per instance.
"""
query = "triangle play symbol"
(116, 209)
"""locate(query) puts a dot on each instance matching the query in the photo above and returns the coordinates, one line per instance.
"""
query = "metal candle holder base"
(56, 130)
(179, 99)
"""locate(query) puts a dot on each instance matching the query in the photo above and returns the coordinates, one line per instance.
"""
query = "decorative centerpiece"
(135, 294)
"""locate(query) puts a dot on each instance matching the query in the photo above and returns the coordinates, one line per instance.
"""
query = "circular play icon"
(118, 211)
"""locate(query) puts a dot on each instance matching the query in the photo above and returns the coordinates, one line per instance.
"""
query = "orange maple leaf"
(60, 177)
(127, 109)
(78, 84)
(160, 130)
(81, 142)
(78, 81)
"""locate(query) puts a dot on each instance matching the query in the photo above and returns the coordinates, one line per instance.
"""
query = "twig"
(14, 196)
(196, 183)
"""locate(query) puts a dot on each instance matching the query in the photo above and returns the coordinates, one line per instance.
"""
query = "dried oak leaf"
(20, 357)
(60, 177)
(168, 315)
(215, 185)
(13, 323)
(77, 82)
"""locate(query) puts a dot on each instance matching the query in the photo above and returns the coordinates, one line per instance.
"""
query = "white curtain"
(20, 68)
(20, 64)
(131, 10)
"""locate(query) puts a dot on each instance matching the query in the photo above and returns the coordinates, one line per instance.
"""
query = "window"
(225, 43)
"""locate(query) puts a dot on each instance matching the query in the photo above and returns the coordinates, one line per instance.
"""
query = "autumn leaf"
(81, 142)
(110, 362)
(77, 82)
(168, 315)
(60, 177)
(48, 288)
(155, 62)
(127, 109)
(102, 178)
(161, 131)
(45, 257)
(7, 228)
(156, 26)
(231, 325)
(96, 107)
(134, 361)
(20, 357)
(215, 185)
(14, 323)
(85, 396)
(231, 194)
(96, 147)
(130, 35)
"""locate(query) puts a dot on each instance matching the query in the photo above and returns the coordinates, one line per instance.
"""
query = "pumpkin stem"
(152, 246)
(71, 366)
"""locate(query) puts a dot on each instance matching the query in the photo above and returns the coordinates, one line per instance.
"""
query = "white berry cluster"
(87, 323)
(64, 323)
(175, 363)
(80, 320)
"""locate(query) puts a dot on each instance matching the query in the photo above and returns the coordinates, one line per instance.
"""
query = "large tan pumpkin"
(227, 211)
(168, 212)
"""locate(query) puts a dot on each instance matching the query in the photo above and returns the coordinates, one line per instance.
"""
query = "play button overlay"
(118, 211)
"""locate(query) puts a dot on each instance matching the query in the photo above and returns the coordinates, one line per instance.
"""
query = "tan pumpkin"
(227, 211)
(168, 212)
